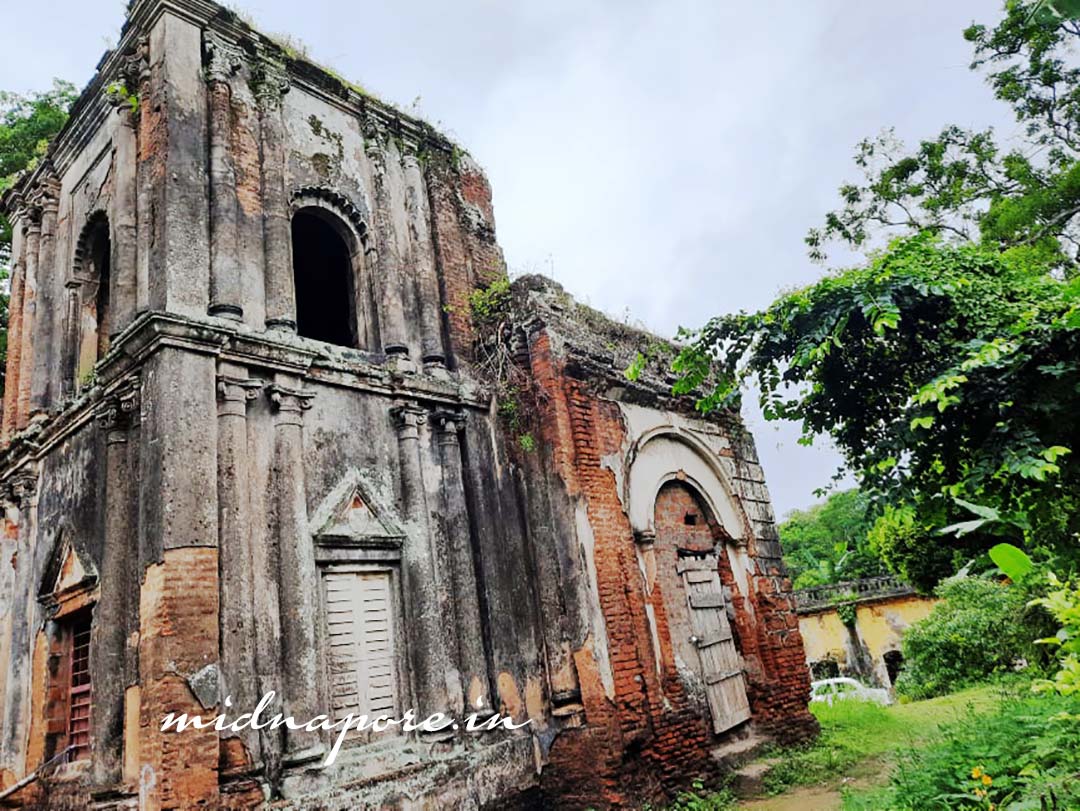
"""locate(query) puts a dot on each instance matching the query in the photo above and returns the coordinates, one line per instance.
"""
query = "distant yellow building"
(870, 647)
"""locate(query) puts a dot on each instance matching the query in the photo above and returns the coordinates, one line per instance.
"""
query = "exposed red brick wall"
(451, 254)
(244, 144)
(14, 354)
(654, 738)
(178, 637)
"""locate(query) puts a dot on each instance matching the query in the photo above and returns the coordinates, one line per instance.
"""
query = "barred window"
(79, 697)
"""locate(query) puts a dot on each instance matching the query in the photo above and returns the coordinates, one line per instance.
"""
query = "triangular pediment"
(66, 572)
(352, 514)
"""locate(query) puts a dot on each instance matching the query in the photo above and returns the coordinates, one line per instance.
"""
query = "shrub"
(1063, 602)
(1024, 755)
(981, 627)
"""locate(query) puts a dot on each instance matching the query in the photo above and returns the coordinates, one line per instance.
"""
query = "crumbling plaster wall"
(193, 469)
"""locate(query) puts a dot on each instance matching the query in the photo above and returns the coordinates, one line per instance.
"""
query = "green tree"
(27, 123)
(944, 368)
(827, 543)
(963, 184)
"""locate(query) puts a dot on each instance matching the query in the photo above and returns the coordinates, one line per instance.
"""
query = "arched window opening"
(324, 275)
(101, 252)
(94, 274)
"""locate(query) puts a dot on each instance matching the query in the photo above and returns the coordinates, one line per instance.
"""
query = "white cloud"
(666, 157)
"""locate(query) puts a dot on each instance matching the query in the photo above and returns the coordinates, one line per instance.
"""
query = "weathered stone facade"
(242, 404)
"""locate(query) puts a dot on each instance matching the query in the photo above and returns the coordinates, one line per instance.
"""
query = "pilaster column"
(15, 305)
(223, 60)
(136, 72)
(234, 391)
(123, 282)
(44, 317)
(416, 199)
(271, 83)
(70, 349)
(26, 326)
(111, 667)
(430, 660)
(390, 289)
(298, 577)
(15, 712)
(471, 659)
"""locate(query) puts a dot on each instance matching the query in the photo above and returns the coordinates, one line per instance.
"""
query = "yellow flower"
(987, 780)
(980, 793)
(976, 773)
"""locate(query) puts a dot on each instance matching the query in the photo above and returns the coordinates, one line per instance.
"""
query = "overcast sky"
(659, 158)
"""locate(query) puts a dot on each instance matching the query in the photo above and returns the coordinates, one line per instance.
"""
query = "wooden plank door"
(721, 664)
(361, 636)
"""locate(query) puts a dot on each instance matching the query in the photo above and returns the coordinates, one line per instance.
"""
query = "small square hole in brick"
(690, 519)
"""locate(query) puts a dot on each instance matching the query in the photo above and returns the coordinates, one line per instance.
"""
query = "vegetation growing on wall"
(493, 317)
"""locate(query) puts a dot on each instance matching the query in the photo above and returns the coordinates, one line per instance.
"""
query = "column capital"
(135, 64)
(47, 194)
(31, 218)
(118, 412)
(223, 57)
(408, 417)
(270, 81)
(644, 537)
(22, 487)
(449, 422)
(16, 209)
(375, 133)
(234, 393)
(287, 400)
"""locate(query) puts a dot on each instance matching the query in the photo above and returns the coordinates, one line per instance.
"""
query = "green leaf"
(989, 513)
(1012, 560)
(963, 528)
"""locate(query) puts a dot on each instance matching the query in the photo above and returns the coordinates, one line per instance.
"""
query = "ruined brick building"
(248, 446)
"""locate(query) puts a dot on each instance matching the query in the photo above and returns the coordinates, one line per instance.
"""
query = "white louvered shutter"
(361, 638)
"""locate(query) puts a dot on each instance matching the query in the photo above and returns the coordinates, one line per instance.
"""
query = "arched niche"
(89, 310)
(668, 454)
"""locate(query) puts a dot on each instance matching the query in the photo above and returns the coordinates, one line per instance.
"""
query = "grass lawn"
(858, 739)
(937, 753)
